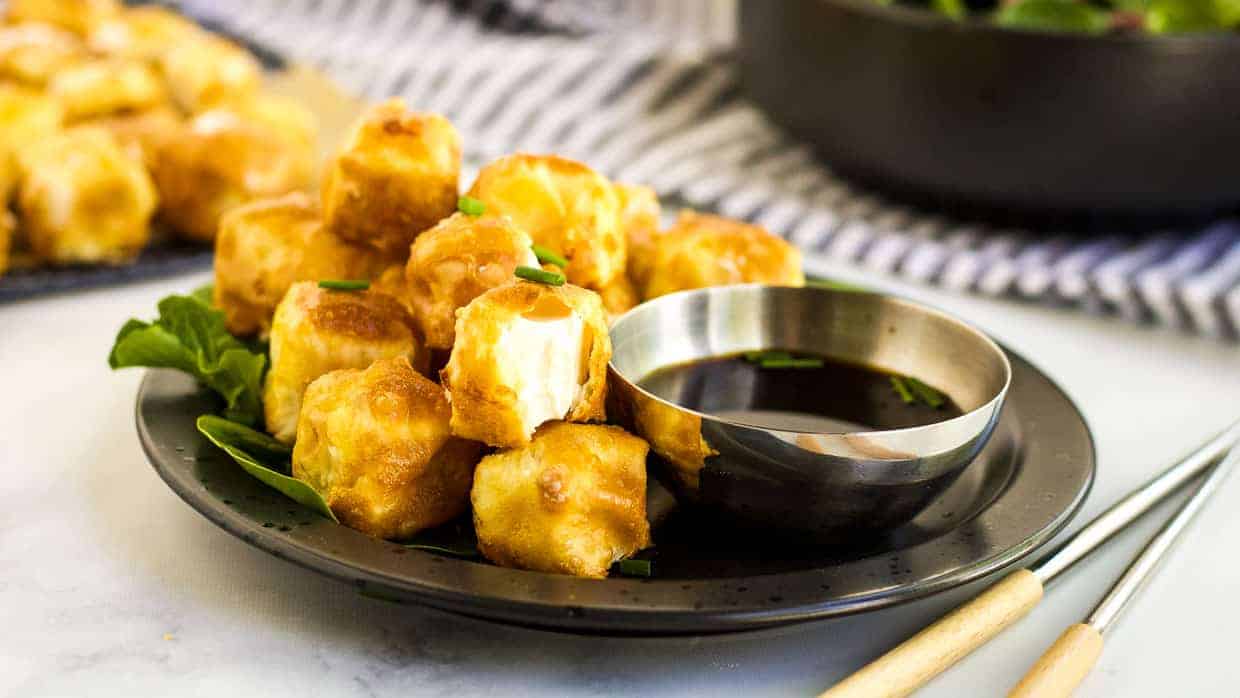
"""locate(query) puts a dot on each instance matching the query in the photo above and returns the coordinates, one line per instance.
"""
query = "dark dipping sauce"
(833, 396)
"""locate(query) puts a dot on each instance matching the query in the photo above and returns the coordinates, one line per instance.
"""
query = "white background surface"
(111, 586)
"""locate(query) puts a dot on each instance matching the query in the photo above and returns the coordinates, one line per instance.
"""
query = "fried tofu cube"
(26, 117)
(316, 331)
(143, 133)
(702, 250)
(83, 200)
(619, 297)
(572, 501)
(8, 223)
(375, 444)
(391, 280)
(100, 88)
(142, 33)
(455, 262)
(220, 160)
(209, 70)
(395, 177)
(289, 119)
(265, 246)
(562, 205)
(639, 217)
(33, 53)
(78, 16)
(527, 353)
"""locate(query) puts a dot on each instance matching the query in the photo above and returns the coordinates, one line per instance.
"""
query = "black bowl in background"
(975, 117)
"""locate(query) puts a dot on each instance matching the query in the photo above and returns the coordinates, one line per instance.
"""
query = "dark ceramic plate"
(1024, 487)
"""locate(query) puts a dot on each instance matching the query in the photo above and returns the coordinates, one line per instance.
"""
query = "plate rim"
(542, 596)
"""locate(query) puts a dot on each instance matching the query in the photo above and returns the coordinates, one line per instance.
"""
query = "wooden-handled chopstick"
(1062, 668)
(911, 664)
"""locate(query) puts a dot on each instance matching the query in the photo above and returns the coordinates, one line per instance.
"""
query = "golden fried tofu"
(572, 501)
(78, 16)
(284, 116)
(83, 200)
(26, 117)
(100, 88)
(395, 177)
(527, 353)
(619, 297)
(33, 53)
(8, 223)
(674, 434)
(263, 247)
(639, 217)
(455, 262)
(375, 444)
(316, 331)
(142, 33)
(702, 250)
(220, 160)
(143, 133)
(207, 70)
(564, 206)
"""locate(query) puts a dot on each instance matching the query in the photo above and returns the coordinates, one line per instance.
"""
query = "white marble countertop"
(110, 585)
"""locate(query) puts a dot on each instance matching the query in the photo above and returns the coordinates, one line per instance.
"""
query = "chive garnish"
(543, 277)
(345, 284)
(546, 256)
(902, 389)
(470, 206)
(790, 363)
(928, 395)
(634, 568)
(761, 355)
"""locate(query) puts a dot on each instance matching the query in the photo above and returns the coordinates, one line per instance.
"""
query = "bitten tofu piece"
(263, 247)
(142, 33)
(702, 250)
(78, 16)
(220, 160)
(83, 200)
(527, 353)
(33, 53)
(455, 262)
(639, 217)
(564, 206)
(316, 331)
(208, 70)
(375, 444)
(395, 177)
(573, 501)
(100, 88)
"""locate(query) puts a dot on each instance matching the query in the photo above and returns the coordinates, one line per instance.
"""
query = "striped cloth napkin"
(645, 91)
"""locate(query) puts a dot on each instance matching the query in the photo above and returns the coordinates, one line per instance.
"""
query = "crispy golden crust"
(220, 160)
(142, 134)
(375, 444)
(316, 331)
(455, 262)
(7, 224)
(573, 501)
(82, 199)
(26, 118)
(103, 87)
(206, 70)
(639, 217)
(77, 16)
(265, 246)
(703, 250)
(563, 205)
(675, 435)
(619, 297)
(143, 33)
(395, 177)
(33, 53)
(484, 408)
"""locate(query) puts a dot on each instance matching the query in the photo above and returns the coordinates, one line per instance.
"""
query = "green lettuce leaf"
(190, 336)
(262, 457)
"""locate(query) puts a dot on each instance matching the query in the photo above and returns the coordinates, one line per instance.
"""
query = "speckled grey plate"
(1025, 486)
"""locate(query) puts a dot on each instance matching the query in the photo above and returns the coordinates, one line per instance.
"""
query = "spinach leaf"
(1053, 16)
(191, 337)
(262, 457)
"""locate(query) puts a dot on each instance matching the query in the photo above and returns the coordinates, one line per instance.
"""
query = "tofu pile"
(114, 117)
(459, 372)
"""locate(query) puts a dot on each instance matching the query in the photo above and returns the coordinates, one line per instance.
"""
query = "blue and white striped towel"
(645, 91)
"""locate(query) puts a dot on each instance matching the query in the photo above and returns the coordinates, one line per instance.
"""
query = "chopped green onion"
(543, 277)
(764, 354)
(470, 206)
(790, 363)
(928, 395)
(634, 568)
(345, 284)
(902, 389)
(546, 256)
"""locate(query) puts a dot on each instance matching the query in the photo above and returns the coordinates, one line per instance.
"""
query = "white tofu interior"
(544, 366)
